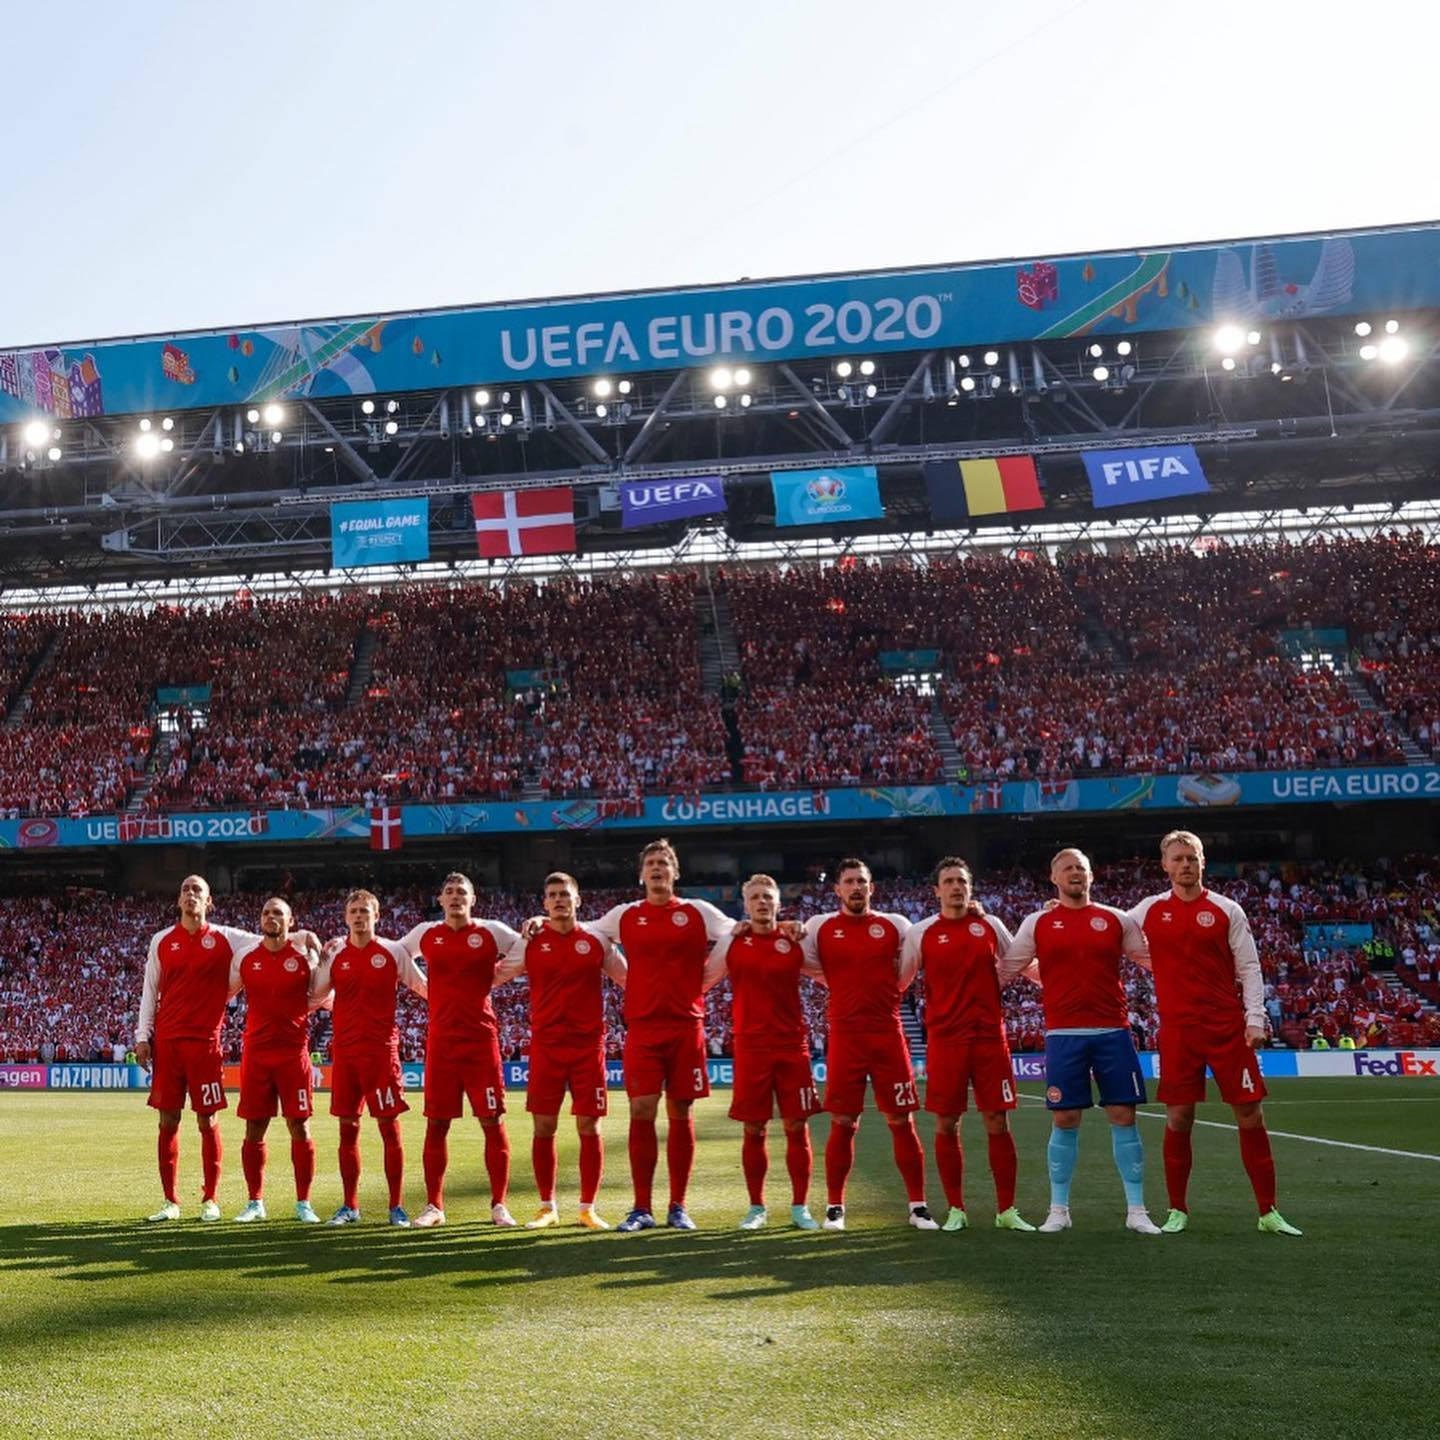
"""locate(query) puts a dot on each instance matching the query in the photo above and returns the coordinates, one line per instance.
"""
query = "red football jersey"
(365, 977)
(1199, 949)
(187, 982)
(962, 989)
(459, 969)
(665, 949)
(567, 1001)
(277, 999)
(765, 990)
(1079, 952)
(859, 955)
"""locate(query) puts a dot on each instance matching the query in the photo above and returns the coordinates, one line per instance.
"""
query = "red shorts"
(580, 1069)
(450, 1080)
(188, 1067)
(882, 1059)
(270, 1079)
(372, 1080)
(953, 1066)
(670, 1060)
(765, 1077)
(1184, 1054)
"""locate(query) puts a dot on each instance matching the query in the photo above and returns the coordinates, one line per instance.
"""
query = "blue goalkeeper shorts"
(1109, 1055)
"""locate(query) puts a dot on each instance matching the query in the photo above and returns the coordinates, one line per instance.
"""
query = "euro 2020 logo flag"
(838, 494)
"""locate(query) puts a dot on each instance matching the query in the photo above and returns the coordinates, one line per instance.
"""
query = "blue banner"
(1378, 272)
(1127, 477)
(379, 532)
(1338, 935)
(792, 807)
(653, 504)
(901, 660)
(826, 497)
(196, 695)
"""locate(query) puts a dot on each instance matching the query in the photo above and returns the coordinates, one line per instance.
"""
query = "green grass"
(110, 1327)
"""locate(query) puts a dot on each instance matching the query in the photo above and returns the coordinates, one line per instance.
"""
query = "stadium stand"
(71, 965)
(1165, 660)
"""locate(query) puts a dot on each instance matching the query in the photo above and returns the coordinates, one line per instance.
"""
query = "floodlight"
(367, 407)
(273, 414)
(482, 397)
(742, 376)
(843, 368)
(145, 425)
(37, 432)
(1362, 328)
(1228, 363)
(967, 382)
(1101, 373)
(867, 367)
(1392, 326)
(53, 453)
(1393, 348)
(992, 357)
(601, 388)
(168, 423)
(1096, 351)
(719, 402)
(147, 446)
(1124, 348)
(1228, 339)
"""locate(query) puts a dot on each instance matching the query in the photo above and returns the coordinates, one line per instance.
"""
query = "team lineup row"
(666, 952)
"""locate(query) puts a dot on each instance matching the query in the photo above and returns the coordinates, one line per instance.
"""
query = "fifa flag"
(1161, 472)
(961, 489)
(387, 832)
(525, 522)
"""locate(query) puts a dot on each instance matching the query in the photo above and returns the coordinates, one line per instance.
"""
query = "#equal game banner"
(379, 532)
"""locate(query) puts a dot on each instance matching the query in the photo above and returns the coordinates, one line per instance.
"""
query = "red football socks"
(592, 1167)
(394, 1157)
(680, 1155)
(302, 1158)
(1178, 1159)
(542, 1157)
(252, 1160)
(168, 1152)
(436, 1159)
(644, 1156)
(839, 1160)
(497, 1162)
(755, 1161)
(210, 1152)
(350, 1165)
(1003, 1166)
(909, 1160)
(1259, 1166)
(950, 1162)
(800, 1162)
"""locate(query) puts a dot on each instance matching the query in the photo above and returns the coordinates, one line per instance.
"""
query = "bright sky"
(175, 164)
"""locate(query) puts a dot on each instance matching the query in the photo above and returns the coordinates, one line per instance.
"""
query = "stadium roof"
(220, 452)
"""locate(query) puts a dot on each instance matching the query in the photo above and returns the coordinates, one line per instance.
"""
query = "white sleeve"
(1247, 965)
(900, 922)
(238, 939)
(150, 992)
(503, 936)
(1003, 938)
(910, 950)
(608, 924)
(810, 941)
(411, 975)
(717, 922)
(410, 941)
(1132, 940)
(1021, 950)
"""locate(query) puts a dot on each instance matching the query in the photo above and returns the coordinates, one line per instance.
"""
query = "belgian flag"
(962, 489)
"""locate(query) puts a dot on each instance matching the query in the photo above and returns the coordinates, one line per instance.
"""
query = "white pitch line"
(1290, 1135)
(1313, 1139)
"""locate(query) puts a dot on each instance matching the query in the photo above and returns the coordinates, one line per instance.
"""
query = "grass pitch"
(109, 1326)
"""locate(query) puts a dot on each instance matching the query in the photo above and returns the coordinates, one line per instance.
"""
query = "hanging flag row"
(542, 521)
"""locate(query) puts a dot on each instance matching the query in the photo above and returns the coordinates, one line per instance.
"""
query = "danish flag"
(386, 832)
(525, 522)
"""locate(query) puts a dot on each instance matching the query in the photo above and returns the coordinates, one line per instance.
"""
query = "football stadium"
(792, 727)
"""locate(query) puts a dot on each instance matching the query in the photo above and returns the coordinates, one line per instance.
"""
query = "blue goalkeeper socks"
(1129, 1161)
(1063, 1149)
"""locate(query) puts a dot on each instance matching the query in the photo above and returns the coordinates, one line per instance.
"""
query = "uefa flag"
(525, 522)
(961, 489)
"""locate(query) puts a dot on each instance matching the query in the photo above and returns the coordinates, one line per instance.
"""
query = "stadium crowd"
(1168, 659)
(71, 964)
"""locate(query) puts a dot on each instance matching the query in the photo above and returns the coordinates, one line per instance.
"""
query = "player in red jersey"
(772, 1051)
(462, 1047)
(565, 963)
(858, 951)
(182, 1010)
(959, 950)
(275, 1070)
(1201, 948)
(666, 941)
(1079, 945)
(362, 971)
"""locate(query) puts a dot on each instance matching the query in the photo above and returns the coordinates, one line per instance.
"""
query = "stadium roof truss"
(1302, 419)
